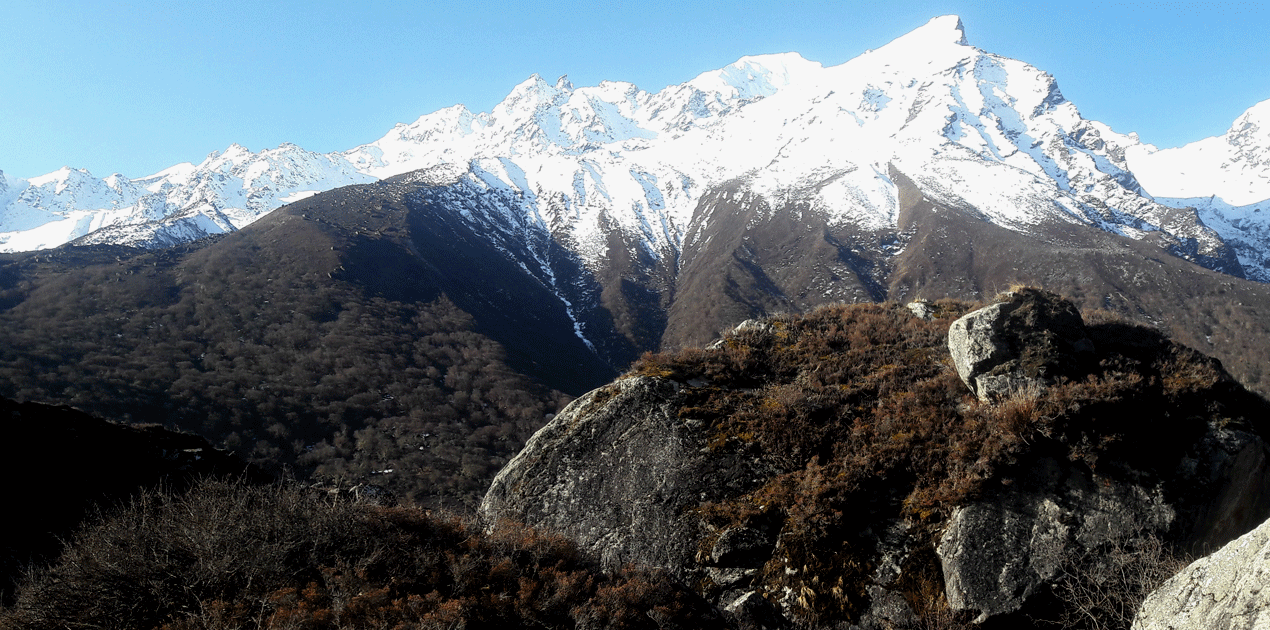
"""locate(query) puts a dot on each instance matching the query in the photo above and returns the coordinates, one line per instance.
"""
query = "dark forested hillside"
(325, 338)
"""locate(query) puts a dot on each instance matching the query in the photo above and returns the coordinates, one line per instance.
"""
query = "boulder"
(921, 309)
(1234, 468)
(1027, 341)
(616, 471)
(995, 554)
(741, 547)
(1228, 590)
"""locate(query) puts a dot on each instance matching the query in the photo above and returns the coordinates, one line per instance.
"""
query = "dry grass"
(230, 556)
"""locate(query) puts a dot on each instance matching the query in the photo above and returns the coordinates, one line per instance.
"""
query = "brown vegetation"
(230, 556)
(861, 409)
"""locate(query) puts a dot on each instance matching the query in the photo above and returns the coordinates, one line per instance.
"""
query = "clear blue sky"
(134, 87)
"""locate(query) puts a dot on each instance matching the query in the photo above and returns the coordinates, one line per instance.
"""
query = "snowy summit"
(970, 128)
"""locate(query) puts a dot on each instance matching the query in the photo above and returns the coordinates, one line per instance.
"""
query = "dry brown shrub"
(236, 557)
(1103, 588)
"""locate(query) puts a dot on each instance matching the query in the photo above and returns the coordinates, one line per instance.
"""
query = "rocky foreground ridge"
(834, 470)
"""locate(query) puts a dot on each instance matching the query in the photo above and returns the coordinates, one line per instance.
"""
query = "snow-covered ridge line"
(973, 129)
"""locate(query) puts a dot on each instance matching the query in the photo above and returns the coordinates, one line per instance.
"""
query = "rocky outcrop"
(616, 471)
(699, 463)
(1235, 465)
(1027, 341)
(921, 309)
(1229, 590)
(996, 554)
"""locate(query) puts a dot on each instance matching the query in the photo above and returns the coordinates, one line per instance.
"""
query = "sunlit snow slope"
(973, 130)
(1227, 178)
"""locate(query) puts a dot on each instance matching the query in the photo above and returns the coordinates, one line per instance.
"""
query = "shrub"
(234, 556)
(1103, 588)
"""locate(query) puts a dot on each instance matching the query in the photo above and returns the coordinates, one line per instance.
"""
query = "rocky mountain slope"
(1224, 178)
(833, 468)
(971, 129)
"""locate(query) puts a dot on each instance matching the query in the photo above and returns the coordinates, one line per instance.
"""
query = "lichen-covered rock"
(1029, 340)
(616, 471)
(1228, 590)
(741, 547)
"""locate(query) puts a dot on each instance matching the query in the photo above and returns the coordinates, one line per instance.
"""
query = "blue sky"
(134, 87)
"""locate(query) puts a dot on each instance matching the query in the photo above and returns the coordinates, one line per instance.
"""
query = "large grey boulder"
(996, 554)
(1228, 590)
(616, 471)
(1028, 341)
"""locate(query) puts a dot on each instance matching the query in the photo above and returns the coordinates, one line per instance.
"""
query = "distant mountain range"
(970, 128)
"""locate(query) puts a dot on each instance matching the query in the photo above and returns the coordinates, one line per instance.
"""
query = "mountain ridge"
(968, 126)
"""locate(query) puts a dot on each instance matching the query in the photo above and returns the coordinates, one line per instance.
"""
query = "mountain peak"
(940, 41)
(61, 175)
(756, 75)
(943, 30)
(944, 27)
(531, 92)
(1258, 115)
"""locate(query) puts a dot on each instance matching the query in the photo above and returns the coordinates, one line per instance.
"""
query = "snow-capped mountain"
(1226, 178)
(971, 129)
(227, 191)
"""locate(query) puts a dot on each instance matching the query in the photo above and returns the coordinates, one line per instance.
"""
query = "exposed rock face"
(615, 471)
(1229, 590)
(1028, 341)
(996, 554)
(1237, 464)
(921, 309)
